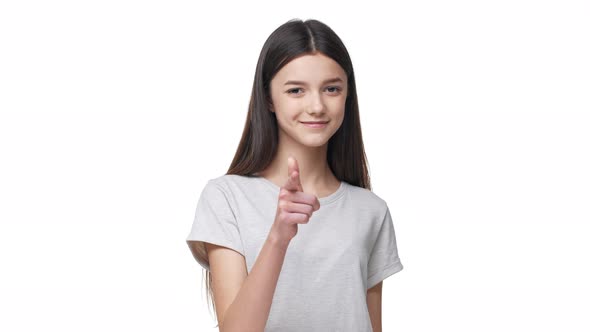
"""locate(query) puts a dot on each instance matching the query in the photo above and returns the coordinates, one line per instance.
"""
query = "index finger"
(293, 180)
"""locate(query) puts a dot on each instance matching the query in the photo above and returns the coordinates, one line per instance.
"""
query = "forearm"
(250, 309)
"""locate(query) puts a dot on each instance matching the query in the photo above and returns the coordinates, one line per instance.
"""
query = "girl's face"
(303, 91)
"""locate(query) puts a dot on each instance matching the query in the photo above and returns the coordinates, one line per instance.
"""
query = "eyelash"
(330, 87)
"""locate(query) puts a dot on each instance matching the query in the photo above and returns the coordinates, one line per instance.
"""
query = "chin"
(315, 143)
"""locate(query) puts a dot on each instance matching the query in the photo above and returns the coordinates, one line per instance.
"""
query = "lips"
(315, 124)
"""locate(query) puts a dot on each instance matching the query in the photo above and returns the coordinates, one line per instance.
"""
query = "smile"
(315, 124)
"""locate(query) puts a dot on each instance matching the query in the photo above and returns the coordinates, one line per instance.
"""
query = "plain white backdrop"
(114, 114)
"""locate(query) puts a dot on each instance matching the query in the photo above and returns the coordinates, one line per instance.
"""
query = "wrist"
(276, 241)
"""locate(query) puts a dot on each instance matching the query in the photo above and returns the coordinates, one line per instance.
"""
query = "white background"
(114, 114)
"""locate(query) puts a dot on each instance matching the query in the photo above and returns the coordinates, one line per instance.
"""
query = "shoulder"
(232, 185)
(367, 199)
(226, 181)
(222, 192)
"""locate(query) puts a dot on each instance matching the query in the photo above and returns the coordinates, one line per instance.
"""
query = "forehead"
(310, 68)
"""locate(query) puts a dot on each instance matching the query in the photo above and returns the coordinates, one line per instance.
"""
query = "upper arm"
(374, 304)
(228, 272)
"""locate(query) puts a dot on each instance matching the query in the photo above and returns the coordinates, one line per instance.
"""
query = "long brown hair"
(258, 145)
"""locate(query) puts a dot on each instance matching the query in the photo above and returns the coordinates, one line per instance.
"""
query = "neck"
(315, 173)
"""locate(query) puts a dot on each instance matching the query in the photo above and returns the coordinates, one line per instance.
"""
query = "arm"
(250, 309)
(374, 305)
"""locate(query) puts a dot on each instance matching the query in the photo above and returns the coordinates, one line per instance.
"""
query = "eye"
(335, 87)
(293, 91)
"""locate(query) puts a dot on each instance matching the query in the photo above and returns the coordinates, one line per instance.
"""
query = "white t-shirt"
(347, 247)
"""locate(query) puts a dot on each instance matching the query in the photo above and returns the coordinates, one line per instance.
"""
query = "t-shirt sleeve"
(384, 260)
(214, 222)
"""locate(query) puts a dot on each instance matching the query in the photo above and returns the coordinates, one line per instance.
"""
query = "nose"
(316, 104)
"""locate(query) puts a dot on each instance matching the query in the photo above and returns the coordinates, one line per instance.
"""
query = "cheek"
(285, 119)
(287, 112)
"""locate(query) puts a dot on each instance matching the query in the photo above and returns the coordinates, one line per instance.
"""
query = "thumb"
(293, 180)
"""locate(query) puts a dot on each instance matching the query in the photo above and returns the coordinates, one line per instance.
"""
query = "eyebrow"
(330, 80)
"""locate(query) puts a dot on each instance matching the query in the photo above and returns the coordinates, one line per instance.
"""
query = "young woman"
(292, 238)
